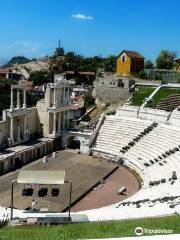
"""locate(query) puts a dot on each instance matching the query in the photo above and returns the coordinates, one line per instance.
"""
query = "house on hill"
(129, 62)
(8, 73)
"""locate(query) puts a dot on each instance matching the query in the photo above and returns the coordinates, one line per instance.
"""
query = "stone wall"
(112, 89)
(44, 117)
(3, 133)
(33, 122)
(111, 95)
(84, 139)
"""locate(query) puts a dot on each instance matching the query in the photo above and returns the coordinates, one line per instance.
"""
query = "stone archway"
(73, 143)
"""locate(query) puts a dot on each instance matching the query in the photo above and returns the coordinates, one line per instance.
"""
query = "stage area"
(83, 171)
(105, 193)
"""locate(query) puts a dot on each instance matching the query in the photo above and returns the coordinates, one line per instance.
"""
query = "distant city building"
(89, 75)
(129, 62)
(59, 50)
(8, 73)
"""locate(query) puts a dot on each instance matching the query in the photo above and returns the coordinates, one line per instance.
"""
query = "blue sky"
(89, 27)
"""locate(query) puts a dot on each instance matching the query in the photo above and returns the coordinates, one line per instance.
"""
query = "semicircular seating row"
(155, 157)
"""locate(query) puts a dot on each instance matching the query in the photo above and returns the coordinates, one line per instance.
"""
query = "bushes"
(111, 113)
(86, 118)
(89, 100)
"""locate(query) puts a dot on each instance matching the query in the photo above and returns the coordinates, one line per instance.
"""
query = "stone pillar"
(12, 105)
(67, 118)
(19, 133)
(57, 95)
(54, 100)
(18, 99)
(60, 96)
(64, 119)
(25, 127)
(24, 98)
(12, 130)
(68, 97)
(59, 122)
(64, 100)
(54, 124)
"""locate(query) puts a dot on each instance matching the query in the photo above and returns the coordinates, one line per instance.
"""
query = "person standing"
(33, 206)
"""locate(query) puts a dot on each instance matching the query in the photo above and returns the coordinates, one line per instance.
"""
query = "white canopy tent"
(41, 177)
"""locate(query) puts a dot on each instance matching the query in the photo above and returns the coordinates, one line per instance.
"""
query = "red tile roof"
(81, 73)
(4, 70)
(132, 54)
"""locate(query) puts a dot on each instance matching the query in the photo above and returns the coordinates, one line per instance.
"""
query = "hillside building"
(129, 62)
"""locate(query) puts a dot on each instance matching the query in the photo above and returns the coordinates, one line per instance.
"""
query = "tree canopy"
(165, 59)
(110, 64)
(148, 64)
(41, 77)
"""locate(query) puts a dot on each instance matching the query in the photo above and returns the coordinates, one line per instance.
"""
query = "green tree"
(110, 64)
(142, 74)
(148, 64)
(88, 100)
(39, 77)
(165, 60)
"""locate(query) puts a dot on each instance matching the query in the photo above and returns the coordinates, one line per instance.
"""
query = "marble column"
(12, 130)
(12, 105)
(24, 98)
(54, 100)
(60, 96)
(64, 100)
(19, 133)
(25, 127)
(59, 122)
(68, 95)
(67, 118)
(54, 124)
(18, 99)
(64, 119)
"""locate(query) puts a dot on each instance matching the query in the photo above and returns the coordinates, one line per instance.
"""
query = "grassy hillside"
(141, 94)
(164, 93)
(90, 230)
(144, 92)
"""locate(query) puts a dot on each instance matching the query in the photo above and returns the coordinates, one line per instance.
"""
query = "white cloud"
(82, 16)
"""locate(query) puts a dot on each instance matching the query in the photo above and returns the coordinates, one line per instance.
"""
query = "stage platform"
(83, 171)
